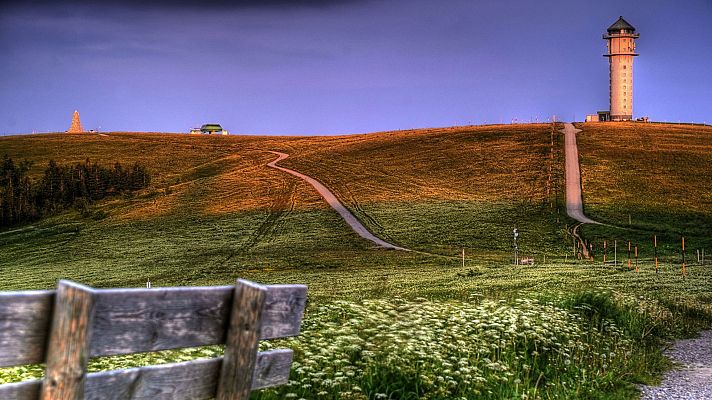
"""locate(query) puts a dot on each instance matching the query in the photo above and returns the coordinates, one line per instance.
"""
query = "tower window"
(624, 67)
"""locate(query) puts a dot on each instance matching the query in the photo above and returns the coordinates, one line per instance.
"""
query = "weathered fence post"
(629, 254)
(243, 337)
(68, 346)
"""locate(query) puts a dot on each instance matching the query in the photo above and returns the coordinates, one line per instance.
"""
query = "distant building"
(209, 129)
(76, 126)
(604, 116)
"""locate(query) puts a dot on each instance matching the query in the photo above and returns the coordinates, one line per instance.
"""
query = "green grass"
(214, 212)
(653, 177)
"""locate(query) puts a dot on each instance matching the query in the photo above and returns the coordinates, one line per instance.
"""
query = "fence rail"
(63, 328)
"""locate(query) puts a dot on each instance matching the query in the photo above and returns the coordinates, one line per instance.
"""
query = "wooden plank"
(272, 368)
(158, 382)
(68, 346)
(180, 381)
(28, 390)
(24, 322)
(284, 309)
(243, 337)
(139, 320)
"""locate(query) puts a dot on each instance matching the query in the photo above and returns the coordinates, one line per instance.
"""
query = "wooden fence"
(64, 328)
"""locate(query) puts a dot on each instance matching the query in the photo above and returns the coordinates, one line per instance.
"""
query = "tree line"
(61, 187)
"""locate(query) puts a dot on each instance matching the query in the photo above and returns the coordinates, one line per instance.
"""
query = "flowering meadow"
(398, 349)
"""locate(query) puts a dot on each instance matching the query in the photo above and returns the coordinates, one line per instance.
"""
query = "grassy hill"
(649, 179)
(215, 212)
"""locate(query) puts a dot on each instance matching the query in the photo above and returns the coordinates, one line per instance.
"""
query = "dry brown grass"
(489, 163)
(216, 174)
(647, 166)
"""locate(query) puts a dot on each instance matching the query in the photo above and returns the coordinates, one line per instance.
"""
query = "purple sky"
(327, 67)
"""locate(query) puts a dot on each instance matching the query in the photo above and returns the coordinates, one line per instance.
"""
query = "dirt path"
(694, 379)
(574, 204)
(334, 203)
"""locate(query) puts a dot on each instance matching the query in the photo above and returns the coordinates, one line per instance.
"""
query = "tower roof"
(621, 24)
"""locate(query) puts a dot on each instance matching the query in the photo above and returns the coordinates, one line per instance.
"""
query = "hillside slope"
(214, 210)
(654, 176)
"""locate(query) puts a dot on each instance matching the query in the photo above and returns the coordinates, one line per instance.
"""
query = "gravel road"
(693, 380)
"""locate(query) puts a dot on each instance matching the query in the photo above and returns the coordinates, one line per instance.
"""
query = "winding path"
(350, 219)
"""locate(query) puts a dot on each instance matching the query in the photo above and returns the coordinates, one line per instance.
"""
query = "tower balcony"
(621, 54)
(621, 35)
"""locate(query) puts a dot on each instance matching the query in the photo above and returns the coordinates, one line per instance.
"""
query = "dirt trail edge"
(335, 204)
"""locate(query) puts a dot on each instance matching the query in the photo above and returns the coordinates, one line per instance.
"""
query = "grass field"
(215, 212)
(215, 208)
(655, 176)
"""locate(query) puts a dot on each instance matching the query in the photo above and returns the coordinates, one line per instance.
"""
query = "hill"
(215, 208)
(214, 211)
